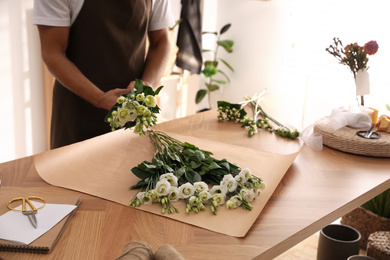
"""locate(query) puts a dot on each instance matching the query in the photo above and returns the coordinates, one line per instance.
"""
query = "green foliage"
(379, 205)
(185, 160)
(211, 67)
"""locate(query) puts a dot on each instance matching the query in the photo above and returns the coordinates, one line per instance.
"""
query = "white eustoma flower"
(226, 177)
(162, 187)
(219, 198)
(201, 186)
(231, 184)
(248, 195)
(218, 189)
(186, 190)
(141, 109)
(150, 101)
(123, 116)
(153, 195)
(173, 194)
(140, 97)
(170, 177)
(236, 200)
(246, 173)
(121, 99)
(240, 178)
(230, 205)
(204, 195)
(144, 198)
(193, 201)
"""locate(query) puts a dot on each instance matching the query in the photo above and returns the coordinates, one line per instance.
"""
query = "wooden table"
(318, 188)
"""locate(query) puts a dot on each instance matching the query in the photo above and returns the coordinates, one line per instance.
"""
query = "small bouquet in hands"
(137, 109)
(179, 170)
(260, 120)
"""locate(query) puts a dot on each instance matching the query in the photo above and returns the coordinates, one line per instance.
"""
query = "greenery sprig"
(236, 112)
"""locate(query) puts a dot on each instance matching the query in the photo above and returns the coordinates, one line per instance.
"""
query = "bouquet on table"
(180, 170)
(261, 120)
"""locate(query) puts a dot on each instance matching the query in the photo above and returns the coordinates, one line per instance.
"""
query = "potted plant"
(211, 67)
(372, 216)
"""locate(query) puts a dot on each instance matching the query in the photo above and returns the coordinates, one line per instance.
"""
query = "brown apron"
(107, 43)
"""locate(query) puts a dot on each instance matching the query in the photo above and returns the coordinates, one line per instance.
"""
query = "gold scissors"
(29, 213)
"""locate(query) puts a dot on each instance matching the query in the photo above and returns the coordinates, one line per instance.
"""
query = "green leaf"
(195, 164)
(227, 45)
(200, 95)
(219, 81)
(209, 71)
(139, 85)
(223, 73)
(199, 155)
(214, 165)
(227, 64)
(158, 90)
(167, 168)
(206, 50)
(211, 63)
(148, 90)
(225, 28)
(140, 184)
(212, 87)
(210, 33)
(180, 172)
(140, 173)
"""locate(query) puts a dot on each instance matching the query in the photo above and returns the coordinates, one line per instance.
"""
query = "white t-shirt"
(63, 13)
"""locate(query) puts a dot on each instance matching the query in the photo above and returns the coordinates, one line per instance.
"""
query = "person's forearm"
(156, 62)
(71, 77)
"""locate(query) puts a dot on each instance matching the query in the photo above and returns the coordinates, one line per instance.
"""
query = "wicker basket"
(378, 245)
(366, 223)
(346, 140)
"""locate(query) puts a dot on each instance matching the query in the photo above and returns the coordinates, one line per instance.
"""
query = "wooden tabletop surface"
(318, 188)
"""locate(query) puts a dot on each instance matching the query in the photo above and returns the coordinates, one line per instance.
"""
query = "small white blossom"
(231, 184)
(204, 196)
(150, 101)
(144, 198)
(218, 189)
(140, 97)
(186, 190)
(248, 195)
(219, 198)
(170, 177)
(173, 194)
(162, 187)
(193, 201)
(201, 186)
(153, 195)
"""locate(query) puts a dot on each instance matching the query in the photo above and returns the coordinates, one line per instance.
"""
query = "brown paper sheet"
(102, 167)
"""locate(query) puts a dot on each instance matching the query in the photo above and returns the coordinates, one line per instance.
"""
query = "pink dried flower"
(371, 47)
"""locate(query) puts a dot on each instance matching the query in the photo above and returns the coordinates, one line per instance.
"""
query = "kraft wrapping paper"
(101, 166)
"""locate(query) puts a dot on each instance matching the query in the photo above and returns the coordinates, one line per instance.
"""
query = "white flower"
(125, 115)
(219, 198)
(246, 173)
(141, 109)
(173, 194)
(204, 196)
(230, 205)
(140, 97)
(162, 187)
(121, 99)
(193, 201)
(240, 178)
(218, 189)
(248, 195)
(226, 177)
(150, 101)
(186, 190)
(230, 183)
(153, 195)
(144, 198)
(235, 199)
(201, 186)
(131, 105)
(170, 177)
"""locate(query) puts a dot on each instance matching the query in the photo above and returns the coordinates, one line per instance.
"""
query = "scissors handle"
(24, 200)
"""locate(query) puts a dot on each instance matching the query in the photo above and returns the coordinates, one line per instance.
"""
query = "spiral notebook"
(45, 243)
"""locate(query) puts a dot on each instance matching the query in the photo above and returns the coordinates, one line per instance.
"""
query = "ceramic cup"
(360, 257)
(338, 242)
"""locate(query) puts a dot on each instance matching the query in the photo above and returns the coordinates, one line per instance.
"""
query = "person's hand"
(109, 98)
